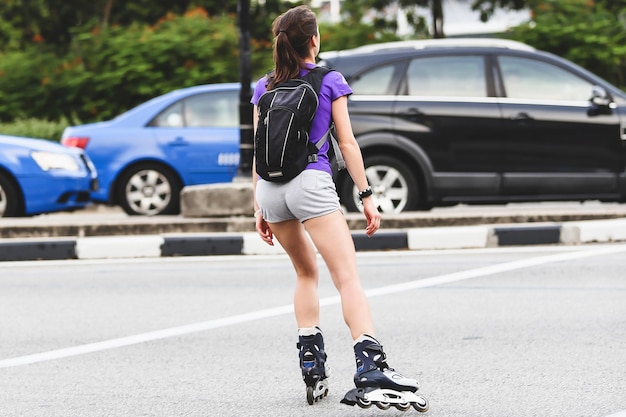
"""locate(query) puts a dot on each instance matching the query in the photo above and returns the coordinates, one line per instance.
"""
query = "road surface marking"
(288, 309)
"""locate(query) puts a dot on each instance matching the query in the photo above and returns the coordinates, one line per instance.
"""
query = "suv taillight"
(75, 142)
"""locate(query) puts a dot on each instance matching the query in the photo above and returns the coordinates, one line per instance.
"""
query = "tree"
(436, 14)
(488, 7)
(53, 23)
(591, 34)
(356, 10)
(108, 72)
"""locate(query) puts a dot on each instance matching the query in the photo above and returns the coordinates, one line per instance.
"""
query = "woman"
(308, 205)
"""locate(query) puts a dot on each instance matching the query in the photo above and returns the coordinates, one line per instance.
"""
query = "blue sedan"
(39, 176)
(145, 156)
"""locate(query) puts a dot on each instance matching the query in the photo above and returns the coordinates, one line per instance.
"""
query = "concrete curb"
(248, 243)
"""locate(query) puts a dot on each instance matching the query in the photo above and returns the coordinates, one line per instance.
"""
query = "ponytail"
(292, 35)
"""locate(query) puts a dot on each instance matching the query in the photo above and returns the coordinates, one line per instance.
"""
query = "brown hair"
(292, 35)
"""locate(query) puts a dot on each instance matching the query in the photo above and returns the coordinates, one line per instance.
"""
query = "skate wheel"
(363, 403)
(421, 405)
(309, 395)
(403, 406)
(383, 406)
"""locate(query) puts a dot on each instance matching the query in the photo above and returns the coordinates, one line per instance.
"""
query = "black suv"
(452, 121)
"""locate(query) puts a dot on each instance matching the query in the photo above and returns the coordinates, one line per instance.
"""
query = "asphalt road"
(536, 331)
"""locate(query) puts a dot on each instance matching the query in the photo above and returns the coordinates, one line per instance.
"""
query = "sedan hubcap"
(148, 192)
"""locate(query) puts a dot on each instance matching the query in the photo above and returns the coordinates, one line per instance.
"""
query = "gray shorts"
(311, 194)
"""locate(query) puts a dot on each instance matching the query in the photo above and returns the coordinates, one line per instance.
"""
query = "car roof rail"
(432, 43)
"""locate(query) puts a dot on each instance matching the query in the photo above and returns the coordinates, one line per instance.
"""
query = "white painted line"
(494, 269)
(145, 337)
(288, 309)
(618, 414)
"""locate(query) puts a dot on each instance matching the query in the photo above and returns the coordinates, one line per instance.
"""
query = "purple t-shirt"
(334, 85)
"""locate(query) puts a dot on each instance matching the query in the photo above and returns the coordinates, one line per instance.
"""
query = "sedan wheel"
(8, 198)
(393, 185)
(149, 190)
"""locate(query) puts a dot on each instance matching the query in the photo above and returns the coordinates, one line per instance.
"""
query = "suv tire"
(395, 187)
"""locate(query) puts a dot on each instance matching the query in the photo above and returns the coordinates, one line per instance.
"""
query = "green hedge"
(35, 128)
(107, 73)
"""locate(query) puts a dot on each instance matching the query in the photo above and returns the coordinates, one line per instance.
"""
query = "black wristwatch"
(365, 193)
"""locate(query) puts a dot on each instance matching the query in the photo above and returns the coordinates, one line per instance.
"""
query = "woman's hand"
(372, 215)
(264, 229)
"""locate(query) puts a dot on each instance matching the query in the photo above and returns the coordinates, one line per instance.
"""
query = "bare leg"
(333, 240)
(296, 242)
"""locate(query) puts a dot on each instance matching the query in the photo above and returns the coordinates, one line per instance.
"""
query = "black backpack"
(281, 145)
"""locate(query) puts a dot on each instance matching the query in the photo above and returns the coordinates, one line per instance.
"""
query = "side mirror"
(601, 102)
(600, 97)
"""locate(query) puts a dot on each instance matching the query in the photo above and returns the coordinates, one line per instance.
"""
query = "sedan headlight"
(50, 160)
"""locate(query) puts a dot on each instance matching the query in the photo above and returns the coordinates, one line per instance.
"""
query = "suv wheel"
(149, 189)
(394, 185)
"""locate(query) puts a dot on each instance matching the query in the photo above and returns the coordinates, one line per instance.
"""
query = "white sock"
(309, 331)
(364, 337)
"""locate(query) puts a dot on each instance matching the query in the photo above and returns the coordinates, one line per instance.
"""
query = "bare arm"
(255, 123)
(261, 225)
(354, 160)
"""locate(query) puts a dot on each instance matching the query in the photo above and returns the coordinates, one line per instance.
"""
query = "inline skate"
(378, 384)
(313, 364)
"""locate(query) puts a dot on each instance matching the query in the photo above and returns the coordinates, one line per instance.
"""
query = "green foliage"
(109, 72)
(52, 22)
(488, 7)
(342, 36)
(126, 66)
(384, 20)
(581, 31)
(36, 128)
(23, 89)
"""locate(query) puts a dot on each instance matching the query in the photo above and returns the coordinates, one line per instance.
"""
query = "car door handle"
(413, 113)
(522, 116)
(178, 141)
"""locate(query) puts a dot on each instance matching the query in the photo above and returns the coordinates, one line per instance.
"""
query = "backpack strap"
(341, 164)
(315, 77)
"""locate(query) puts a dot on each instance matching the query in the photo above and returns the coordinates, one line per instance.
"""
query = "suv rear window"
(447, 76)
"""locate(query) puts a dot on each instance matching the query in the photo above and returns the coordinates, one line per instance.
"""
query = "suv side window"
(447, 76)
(381, 80)
(531, 79)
